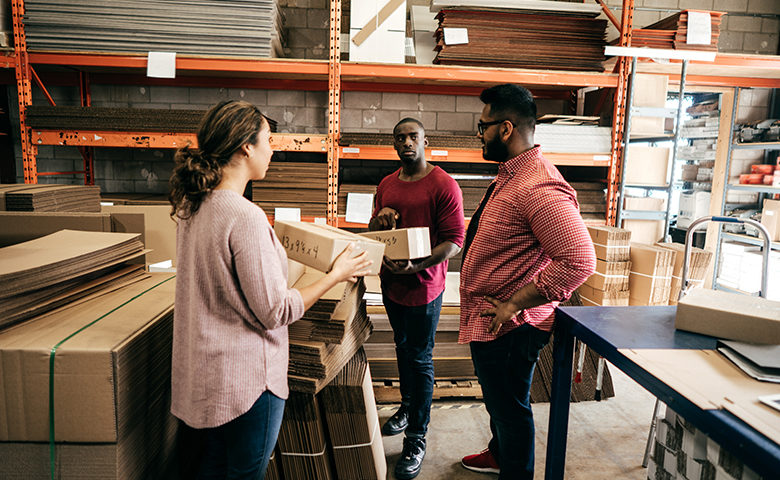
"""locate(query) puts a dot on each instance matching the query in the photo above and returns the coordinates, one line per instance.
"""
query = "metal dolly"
(684, 287)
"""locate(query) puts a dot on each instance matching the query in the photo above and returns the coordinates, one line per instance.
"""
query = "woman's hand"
(347, 267)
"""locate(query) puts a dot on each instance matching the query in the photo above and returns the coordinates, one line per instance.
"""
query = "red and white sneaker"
(483, 462)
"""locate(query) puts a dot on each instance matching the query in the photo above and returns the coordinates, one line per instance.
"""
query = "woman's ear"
(247, 149)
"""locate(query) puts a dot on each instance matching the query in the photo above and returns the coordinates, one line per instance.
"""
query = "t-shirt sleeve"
(451, 221)
(262, 273)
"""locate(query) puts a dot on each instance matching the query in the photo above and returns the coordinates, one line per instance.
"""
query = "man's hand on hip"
(501, 312)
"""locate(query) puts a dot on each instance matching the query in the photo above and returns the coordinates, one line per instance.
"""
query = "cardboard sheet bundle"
(650, 280)
(293, 185)
(45, 273)
(609, 284)
(697, 268)
(49, 198)
(201, 28)
(303, 444)
(674, 31)
(352, 423)
(110, 414)
(566, 41)
(592, 198)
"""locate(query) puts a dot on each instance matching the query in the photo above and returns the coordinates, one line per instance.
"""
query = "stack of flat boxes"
(682, 452)
(609, 285)
(650, 280)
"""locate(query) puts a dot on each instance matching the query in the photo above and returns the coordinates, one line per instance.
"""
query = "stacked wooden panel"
(329, 333)
(55, 270)
(185, 27)
(698, 264)
(49, 198)
(564, 42)
(609, 285)
(650, 280)
(672, 32)
(293, 185)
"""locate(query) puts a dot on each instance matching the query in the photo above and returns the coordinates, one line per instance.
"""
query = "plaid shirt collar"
(516, 164)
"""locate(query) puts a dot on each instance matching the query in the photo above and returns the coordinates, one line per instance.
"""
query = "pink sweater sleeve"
(261, 267)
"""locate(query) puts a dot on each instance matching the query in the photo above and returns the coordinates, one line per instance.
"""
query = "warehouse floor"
(606, 439)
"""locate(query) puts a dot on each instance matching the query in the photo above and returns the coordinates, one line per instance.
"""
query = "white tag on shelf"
(293, 214)
(456, 36)
(699, 28)
(409, 47)
(161, 65)
(350, 150)
(320, 221)
(359, 207)
(439, 153)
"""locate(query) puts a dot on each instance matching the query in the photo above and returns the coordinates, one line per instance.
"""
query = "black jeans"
(505, 367)
(414, 329)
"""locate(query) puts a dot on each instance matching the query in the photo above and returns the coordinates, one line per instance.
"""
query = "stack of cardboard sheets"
(92, 378)
(303, 442)
(201, 28)
(673, 32)
(565, 41)
(49, 198)
(293, 185)
(329, 333)
(698, 265)
(609, 285)
(45, 273)
(650, 280)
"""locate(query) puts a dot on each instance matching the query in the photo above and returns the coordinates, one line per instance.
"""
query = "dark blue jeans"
(414, 329)
(505, 367)
(240, 449)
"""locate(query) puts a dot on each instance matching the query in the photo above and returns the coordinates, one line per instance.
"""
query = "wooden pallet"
(388, 391)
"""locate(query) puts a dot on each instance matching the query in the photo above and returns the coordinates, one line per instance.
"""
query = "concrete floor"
(606, 439)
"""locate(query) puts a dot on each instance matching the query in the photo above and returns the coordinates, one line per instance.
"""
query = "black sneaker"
(410, 463)
(397, 423)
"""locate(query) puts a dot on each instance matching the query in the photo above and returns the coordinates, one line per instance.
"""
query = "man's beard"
(495, 150)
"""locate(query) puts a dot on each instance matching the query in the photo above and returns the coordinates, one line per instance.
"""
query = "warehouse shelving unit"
(333, 76)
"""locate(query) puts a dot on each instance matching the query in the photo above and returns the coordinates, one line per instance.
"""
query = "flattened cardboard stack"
(48, 272)
(303, 444)
(293, 185)
(49, 198)
(23, 226)
(672, 32)
(110, 416)
(571, 41)
(650, 280)
(609, 284)
(353, 423)
(697, 268)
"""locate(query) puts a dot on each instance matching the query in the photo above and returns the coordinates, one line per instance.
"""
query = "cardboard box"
(592, 297)
(20, 227)
(403, 243)
(650, 279)
(645, 231)
(697, 268)
(108, 378)
(317, 246)
(610, 275)
(731, 316)
(159, 229)
(770, 218)
(646, 166)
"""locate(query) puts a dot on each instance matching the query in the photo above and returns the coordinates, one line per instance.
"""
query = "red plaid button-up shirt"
(530, 231)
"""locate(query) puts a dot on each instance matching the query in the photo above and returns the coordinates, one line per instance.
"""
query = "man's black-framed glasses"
(482, 126)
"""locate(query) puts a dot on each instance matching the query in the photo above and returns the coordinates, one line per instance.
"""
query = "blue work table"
(607, 329)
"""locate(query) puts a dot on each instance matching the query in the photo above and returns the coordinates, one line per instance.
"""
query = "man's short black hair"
(410, 120)
(511, 102)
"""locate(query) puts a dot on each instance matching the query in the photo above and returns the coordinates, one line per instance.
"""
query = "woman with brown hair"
(230, 344)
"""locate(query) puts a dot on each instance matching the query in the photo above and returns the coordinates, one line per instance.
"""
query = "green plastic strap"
(51, 371)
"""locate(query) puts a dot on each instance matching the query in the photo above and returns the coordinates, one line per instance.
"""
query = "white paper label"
(699, 28)
(439, 153)
(456, 36)
(359, 207)
(320, 221)
(409, 50)
(350, 150)
(161, 65)
(293, 214)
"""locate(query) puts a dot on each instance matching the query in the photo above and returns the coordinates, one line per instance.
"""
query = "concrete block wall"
(750, 26)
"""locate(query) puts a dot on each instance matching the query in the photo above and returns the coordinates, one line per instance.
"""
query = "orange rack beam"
(374, 152)
(279, 142)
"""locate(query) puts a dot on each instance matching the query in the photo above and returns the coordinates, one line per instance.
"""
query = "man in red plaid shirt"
(526, 249)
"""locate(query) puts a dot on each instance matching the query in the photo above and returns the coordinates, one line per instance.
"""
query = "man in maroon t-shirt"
(416, 195)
